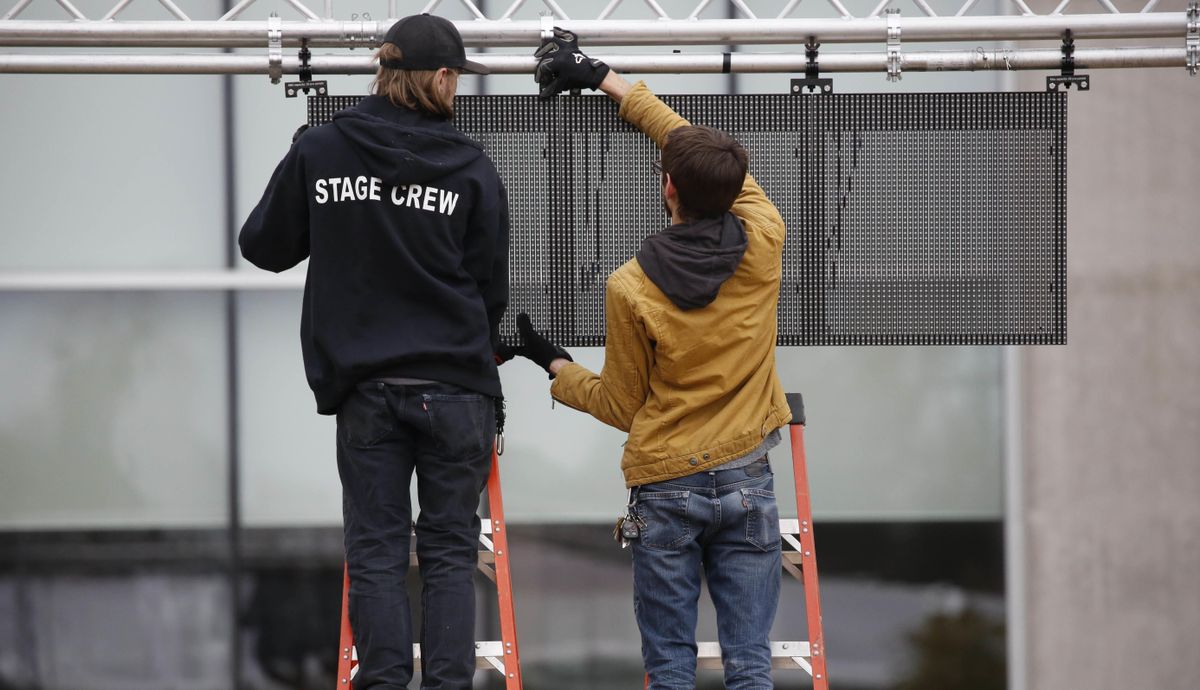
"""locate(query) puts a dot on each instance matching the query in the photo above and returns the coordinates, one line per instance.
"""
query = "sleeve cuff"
(628, 102)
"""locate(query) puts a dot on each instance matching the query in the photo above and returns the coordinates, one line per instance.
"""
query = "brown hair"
(708, 168)
(415, 89)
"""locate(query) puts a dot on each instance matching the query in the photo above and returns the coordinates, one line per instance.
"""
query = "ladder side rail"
(812, 598)
(504, 597)
(502, 656)
(346, 638)
(809, 656)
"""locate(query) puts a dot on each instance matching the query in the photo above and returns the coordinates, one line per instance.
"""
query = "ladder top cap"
(796, 403)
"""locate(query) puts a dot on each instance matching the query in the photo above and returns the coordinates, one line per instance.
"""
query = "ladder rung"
(783, 655)
(787, 526)
(485, 526)
(483, 650)
(485, 556)
(493, 649)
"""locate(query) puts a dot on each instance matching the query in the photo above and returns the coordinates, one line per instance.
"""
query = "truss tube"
(933, 61)
(17, 8)
(66, 5)
(174, 9)
(41, 281)
(841, 10)
(236, 11)
(116, 10)
(1025, 11)
(608, 32)
(194, 34)
(301, 8)
(971, 3)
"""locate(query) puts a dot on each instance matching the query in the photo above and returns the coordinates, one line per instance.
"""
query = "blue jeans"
(724, 524)
(385, 434)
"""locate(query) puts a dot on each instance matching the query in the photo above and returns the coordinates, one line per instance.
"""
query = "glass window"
(288, 457)
(112, 172)
(112, 412)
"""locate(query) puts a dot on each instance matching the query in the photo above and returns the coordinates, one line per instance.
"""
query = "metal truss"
(1174, 36)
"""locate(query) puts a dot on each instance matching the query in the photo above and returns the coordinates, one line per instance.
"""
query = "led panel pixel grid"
(913, 219)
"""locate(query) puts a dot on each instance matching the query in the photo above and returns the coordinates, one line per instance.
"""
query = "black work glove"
(535, 346)
(300, 130)
(502, 352)
(561, 67)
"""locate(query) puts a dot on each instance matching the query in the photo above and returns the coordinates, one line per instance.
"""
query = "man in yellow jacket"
(689, 373)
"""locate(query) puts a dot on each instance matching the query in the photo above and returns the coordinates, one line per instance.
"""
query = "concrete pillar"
(1111, 422)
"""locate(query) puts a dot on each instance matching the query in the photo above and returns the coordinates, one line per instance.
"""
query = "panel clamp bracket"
(1068, 77)
(812, 83)
(306, 84)
(895, 61)
(1193, 38)
(274, 48)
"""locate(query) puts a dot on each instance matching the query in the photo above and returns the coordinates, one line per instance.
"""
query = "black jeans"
(384, 433)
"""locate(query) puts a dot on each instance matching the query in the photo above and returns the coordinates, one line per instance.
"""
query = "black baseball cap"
(429, 42)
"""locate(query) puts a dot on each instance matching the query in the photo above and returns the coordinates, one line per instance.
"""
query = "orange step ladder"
(495, 655)
(800, 561)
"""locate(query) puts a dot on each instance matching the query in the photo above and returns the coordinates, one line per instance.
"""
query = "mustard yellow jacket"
(692, 388)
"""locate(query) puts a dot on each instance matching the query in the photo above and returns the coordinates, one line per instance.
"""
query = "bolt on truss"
(1175, 34)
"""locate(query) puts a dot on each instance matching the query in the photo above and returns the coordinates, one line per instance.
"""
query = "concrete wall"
(1111, 422)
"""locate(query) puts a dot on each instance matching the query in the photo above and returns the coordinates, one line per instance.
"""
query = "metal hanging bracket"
(895, 61)
(1193, 38)
(306, 84)
(812, 82)
(1068, 76)
(274, 48)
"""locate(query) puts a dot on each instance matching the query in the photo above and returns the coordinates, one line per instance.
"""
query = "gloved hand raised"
(562, 67)
(535, 346)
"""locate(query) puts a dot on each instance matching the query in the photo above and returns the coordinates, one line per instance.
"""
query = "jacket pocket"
(364, 418)
(462, 425)
(762, 518)
(664, 519)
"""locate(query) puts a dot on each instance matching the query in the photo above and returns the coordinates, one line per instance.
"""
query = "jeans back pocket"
(364, 418)
(462, 424)
(664, 519)
(762, 518)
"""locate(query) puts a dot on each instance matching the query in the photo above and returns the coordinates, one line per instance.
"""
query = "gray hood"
(690, 261)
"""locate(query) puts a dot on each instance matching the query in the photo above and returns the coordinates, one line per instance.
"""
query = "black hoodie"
(690, 261)
(405, 224)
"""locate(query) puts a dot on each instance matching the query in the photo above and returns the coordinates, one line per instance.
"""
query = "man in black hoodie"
(404, 222)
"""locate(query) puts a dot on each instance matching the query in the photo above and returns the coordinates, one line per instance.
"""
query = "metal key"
(628, 526)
